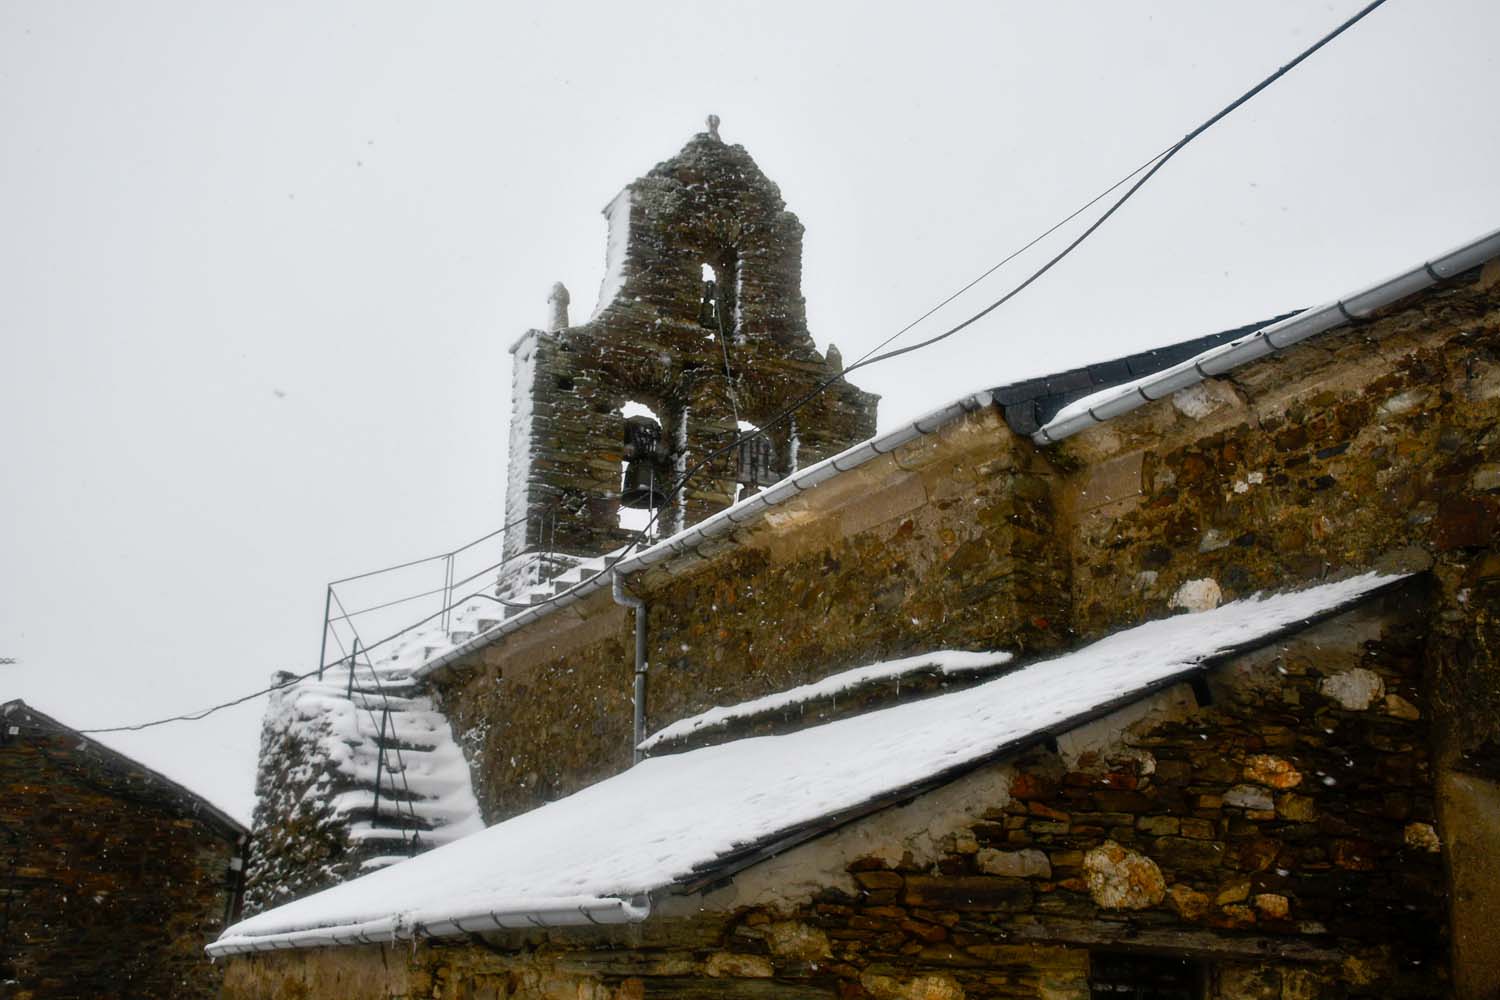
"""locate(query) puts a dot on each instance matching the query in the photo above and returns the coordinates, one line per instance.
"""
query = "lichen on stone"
(1122, 879)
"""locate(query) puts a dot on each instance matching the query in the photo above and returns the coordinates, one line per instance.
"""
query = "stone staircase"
(396, 780)
(357, 775)
(425, 797)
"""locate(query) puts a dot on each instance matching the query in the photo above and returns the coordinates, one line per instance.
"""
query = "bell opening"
(755, 462)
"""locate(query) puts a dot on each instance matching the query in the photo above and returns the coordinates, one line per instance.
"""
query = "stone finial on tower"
(558, 300)
(835, 358)
(713, 127)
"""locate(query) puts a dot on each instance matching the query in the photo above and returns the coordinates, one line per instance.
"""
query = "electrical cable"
(1162, 161)
(1155, 164)
(1151, 167)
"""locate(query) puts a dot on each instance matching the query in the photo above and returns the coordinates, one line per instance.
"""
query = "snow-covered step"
(382, 733)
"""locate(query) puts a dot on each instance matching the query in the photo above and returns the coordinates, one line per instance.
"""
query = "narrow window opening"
(718, 312)
(1128, 976)
(708, 307)
(677, 508)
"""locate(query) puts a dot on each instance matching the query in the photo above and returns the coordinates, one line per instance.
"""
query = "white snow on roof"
(591, 857)
(946, 661)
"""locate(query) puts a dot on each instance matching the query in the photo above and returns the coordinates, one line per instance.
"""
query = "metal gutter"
(1270, 340)
(689, 541)
(388, 929)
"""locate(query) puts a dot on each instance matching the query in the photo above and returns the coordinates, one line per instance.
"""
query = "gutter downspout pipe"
(629, 600)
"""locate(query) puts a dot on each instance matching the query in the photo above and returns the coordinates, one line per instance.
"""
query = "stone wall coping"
(1118, 400)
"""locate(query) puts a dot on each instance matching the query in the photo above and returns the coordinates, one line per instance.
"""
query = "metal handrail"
(547, 535)
(449, 586)
(433, 558)
(399, 600)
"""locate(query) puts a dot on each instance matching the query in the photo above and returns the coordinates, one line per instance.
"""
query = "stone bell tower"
(700, 331)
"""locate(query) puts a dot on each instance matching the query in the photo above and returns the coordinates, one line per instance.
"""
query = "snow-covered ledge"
(949, 662)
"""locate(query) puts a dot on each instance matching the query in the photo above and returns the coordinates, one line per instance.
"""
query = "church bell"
(646, 471)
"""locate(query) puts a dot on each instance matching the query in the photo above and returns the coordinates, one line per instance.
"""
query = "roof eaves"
(1033, 402)
(1107, 404)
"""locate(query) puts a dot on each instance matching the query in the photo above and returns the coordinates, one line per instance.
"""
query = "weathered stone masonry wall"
(1284, 834)
(1378, 445)
(945, 544)
(112, 890)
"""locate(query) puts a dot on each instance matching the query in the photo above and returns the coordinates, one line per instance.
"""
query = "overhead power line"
(206, 712)
(1150, 168)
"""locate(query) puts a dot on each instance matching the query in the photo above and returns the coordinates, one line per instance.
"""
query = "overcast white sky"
(260, 263)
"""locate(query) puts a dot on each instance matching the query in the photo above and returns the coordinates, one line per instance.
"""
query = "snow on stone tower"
(700, 331)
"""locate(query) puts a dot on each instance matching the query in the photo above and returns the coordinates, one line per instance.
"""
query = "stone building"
(1172, 675)
(113, 876)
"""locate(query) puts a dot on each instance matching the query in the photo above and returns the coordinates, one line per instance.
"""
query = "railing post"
(380, 765)
(447, 590)
(353, 657)
(323, 644)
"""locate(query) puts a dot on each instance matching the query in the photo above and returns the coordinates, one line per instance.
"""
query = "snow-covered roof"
(598, 855)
